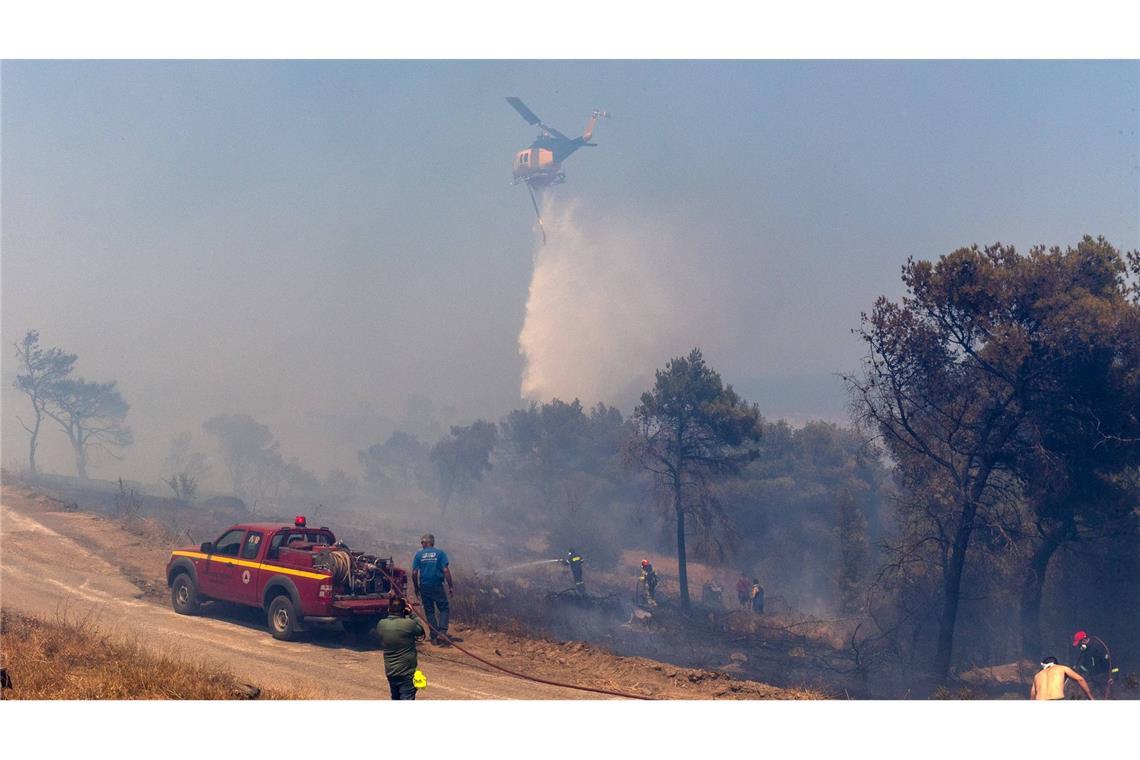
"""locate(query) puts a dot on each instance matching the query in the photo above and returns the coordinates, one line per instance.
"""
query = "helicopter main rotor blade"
(531, 118)
(525, 112)
(554, 132)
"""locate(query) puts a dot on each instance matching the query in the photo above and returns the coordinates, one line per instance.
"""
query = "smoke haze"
(334, 247)
(608, 303)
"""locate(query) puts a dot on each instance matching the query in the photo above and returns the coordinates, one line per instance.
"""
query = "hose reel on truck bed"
(355, 573)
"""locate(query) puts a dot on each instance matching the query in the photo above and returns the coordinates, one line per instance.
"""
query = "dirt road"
(50, 565)
(58, 561)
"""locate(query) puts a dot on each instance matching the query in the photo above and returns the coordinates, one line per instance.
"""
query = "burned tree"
(689, 430)
(41, 369)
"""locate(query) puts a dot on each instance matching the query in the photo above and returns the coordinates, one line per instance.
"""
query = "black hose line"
(427, 626)
(516, 674)
(418, 614)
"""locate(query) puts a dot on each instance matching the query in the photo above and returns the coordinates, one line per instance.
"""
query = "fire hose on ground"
(516, 674)
(414, 608)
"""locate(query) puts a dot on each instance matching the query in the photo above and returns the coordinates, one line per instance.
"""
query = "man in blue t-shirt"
(429, 571)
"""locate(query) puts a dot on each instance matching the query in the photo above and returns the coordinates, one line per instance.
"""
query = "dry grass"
(72, 659)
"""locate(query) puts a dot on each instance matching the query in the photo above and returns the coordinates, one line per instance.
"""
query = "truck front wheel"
(283, 618)
(184, 595)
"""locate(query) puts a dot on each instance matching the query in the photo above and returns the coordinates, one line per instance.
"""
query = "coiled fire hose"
(414, 607)
(341, 564)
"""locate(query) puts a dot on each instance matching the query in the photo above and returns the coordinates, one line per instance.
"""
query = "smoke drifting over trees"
(462, 458)
(329, 310)
(993, 465)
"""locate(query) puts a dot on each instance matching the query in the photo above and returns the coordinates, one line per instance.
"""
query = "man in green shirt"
(398, 635)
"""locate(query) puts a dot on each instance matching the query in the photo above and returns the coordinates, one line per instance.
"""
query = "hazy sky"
(303, 240)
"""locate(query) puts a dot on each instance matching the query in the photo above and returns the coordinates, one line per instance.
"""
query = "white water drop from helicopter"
(607, 304)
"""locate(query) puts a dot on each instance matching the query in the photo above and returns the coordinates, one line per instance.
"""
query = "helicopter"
(540, 165)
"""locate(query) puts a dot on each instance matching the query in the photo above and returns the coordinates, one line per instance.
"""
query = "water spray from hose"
(525, 565)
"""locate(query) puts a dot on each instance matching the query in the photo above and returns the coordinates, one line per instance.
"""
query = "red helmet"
(645, 563)
(1078, 637)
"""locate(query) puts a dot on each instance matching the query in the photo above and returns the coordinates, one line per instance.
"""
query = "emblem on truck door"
(245, 577)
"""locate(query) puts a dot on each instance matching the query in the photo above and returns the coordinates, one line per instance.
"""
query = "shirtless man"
(1050, 682)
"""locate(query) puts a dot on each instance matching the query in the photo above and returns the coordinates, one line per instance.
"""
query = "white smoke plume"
(609, 303)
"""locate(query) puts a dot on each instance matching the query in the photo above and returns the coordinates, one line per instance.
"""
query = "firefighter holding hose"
(648, 580)
(398, 635)
(574, 560)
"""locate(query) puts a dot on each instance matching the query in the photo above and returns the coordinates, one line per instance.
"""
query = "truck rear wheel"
(283, 618)
(184, 595)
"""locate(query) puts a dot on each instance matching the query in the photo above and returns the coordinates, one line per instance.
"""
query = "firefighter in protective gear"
(648, 580)
(1094, 662)
(574, 560)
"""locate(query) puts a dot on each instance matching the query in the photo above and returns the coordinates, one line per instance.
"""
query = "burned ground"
(523, 619)
(57, 558)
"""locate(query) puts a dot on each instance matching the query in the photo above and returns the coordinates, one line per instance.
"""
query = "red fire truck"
(297, 574)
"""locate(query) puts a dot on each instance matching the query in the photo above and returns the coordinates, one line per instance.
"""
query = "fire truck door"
(247, 572)
(222, 577)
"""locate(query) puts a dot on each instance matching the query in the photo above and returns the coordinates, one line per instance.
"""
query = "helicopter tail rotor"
(589, 132)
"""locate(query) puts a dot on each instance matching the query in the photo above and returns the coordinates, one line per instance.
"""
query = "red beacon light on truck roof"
(299, 521)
